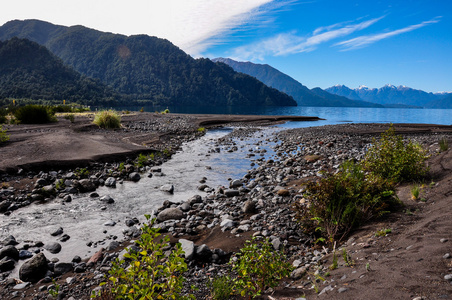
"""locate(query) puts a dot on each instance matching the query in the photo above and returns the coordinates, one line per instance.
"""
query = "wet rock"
(134, 176)
(9, 251)
(171, 213)
(169, 188)
(53, 247)
(107, 199)
(7, 264)
(62, 268)
(94, 195)
(110, 182)
(67, 198)
(188, 247)
(57, 231)
(110, 223)
(34, 269)
(24, 254)
(10, 240)
(64, 238)
(130, 222)
(112, 246)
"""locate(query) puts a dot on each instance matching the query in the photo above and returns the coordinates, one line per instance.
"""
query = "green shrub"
(3, 136)
(391, 158)
(3, 114)
(107, 119)
(34, 114)
(341, 202)
(259, 267)
(151, 273)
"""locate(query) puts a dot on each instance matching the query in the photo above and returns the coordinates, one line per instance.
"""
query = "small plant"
(121, 167)
(54, 289)
(70, 117)
(4, 137)
(315, 280)
(34, 114)
(82, 172)
(60, 185)
(393, 159)
(347, 258)
(259, 267)
(368, 267)
(201, 129)
(383, 232)
(222, 288)
(166, 111)
(107, 119)
(151, 273)
(443, 145)
(415, 192)
(167, 152)
(142, 160)
(334, 264)
(142, 109)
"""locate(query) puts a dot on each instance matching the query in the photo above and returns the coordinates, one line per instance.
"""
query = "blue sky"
(320, 43)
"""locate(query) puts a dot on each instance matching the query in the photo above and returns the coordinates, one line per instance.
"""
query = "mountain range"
(142, 67)
(284, 83)
(391, 95)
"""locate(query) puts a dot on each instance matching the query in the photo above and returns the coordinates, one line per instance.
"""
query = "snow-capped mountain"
(387, 95)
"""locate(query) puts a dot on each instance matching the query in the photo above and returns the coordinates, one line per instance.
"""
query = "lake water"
(332, 115)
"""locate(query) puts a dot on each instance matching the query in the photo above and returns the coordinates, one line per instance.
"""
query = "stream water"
(83, 219)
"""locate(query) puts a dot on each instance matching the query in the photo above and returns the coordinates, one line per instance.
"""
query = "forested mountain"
(387, 95)
(144, 67)
(444, 101)
(28, 70)
(278, 80)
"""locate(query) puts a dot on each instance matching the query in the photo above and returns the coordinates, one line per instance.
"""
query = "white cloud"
(363, 41)
(190, 24)
(290, 43)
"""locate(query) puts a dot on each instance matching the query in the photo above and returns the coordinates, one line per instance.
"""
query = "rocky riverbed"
(213, 224)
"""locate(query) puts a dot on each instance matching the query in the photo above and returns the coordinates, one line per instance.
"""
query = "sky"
(320, 43)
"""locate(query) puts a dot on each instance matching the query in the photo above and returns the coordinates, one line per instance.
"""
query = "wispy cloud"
(366, 40)
(291, 43)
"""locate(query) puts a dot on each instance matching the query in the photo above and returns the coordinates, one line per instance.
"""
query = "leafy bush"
(151, 273)
(259, 267)
(341, 202)
(107, 119)
(3, 114)
(3, 136)
(34, 114)
(395, 160)
(70, 117)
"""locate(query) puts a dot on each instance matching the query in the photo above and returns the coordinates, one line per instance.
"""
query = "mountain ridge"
(144, 67)
(284, 83)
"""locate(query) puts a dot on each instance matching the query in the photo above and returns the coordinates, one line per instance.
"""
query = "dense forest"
(28, 70)
(144, 67)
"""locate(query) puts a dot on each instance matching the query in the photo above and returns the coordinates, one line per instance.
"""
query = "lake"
(332, 115)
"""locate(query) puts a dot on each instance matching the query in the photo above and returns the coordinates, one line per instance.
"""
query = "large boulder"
(34, 269)
(9, 251)
(172, 213)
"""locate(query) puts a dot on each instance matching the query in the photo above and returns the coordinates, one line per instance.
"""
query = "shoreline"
(280, 181)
